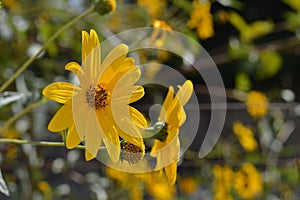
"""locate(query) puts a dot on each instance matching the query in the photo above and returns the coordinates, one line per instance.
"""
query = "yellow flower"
(248, 181)
(223, 182)
(159, 34)
(173, 114)
(188, 185)
(130, 181)
(257, 104)
(245, 136)
(154, 7)
(98, 110)
(202, 19)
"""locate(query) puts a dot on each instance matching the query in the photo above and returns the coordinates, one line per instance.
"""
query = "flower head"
(245, 136)
(172, 112)
(248, 181)
(223, 181)
(98, 110)
(257, 104)
(201, 19)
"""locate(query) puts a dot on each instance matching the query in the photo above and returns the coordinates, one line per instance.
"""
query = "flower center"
(97, 96)
(131, 152)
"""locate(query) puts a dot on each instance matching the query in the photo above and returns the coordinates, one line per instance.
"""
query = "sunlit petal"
(73, 138)
(60, 92)
(62, 119)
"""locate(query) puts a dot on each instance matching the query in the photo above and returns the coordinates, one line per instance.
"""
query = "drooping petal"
(60, 92)
(171, 173)
(111, 138)
(73, 67)
(138, 93)
(92, 135)
(73, 138)
(62, 119)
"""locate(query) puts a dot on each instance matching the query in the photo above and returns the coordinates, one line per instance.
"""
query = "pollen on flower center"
(97, 96)
(131, 152)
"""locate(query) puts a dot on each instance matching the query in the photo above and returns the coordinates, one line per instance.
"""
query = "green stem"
(36, 143)
(23, 112)
(54, 36)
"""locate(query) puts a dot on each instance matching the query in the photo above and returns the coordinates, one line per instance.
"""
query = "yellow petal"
(137, 117)
(119, 51)
(185, 92)
(62, 119)
(73, 138)
(73, 67)
(92, 136)
(166, 104)
(60, 92)
(89, 42)
(171, 173)
(111, 138)
(138, 93)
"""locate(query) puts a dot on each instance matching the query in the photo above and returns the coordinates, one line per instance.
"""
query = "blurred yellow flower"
(188, 184)
(154, 182)
(172, 112)
(257, 104)
(130, 181)
(248, 181)
(159, 34)
(202, 19)
(223, 177)
(153, 7)
(95, 111)
(158, 186)
(245, 136)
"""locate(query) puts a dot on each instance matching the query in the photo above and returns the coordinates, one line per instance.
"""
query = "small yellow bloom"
(245, 136)
(248, 181)
(188, 184)
(173, 114)
(98, 111)
(257, 104)
(202, 19)
(159, 34)
(223, 177)
(154, 7)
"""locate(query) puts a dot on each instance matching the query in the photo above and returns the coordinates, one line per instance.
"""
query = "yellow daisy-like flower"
(173, 114)
(223, 182)
(245, 136)
(257, 104)
(98, 110)
(248, 181)
(202, 19)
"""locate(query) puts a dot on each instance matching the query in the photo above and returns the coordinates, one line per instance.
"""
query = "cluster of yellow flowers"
(247, 182)
(245, 136)
(202, 19)
(99, 112)
(257, 104)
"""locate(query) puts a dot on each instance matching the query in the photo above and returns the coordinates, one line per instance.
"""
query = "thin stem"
(23, 112)
(53, 37)
(36, 143)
